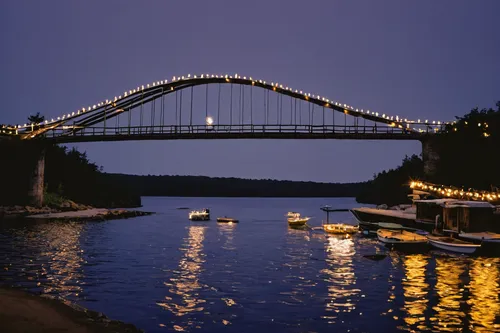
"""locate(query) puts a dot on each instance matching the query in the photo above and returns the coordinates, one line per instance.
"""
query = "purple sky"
(426, 59)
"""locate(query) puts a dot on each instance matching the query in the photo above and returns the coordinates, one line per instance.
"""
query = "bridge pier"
(430, 157)
(36, 188)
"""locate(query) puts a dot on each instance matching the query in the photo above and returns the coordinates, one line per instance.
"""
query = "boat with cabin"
(401, 214)
(294, 219)
(200, 215)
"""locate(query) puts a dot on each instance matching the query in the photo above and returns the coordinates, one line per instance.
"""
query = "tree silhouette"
(36, 118)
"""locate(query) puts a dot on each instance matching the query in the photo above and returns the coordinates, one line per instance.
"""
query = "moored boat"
(200, 215)
(340, 228)
(402, 239)
(400, 236)
(480, 237)
(405, 216)
(226, 219)
(295, 220)
(298, 221)
(453, 244)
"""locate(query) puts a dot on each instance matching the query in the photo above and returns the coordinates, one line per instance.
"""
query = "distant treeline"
(230, 187)
(468, 157)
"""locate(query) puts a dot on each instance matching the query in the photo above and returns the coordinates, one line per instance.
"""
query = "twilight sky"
(422, 59)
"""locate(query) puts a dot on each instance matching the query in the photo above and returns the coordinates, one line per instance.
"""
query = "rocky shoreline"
(24, 312)
(67, 210)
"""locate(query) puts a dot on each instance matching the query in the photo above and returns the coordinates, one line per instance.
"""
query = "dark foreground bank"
(23, 312)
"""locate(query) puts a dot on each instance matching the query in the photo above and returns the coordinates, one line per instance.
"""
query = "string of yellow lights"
(455, 192)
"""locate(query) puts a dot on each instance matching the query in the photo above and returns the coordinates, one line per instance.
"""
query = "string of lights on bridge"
(275, 86)
(454, 192)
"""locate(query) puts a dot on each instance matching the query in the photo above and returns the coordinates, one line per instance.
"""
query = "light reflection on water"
(340, 277)
(162, 272)
(484, 295)
(184, 285)
(415, 290)
(448, 313)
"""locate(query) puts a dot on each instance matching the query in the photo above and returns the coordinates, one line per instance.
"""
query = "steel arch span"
(240, 107)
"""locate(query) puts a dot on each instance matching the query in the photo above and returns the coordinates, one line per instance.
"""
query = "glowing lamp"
(209, 121)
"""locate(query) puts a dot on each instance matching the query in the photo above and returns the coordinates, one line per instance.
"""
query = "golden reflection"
(184, 286)
(63, 268)
(415, 291)
(341, 278)
(449, 316)
(484, 297)
(227, 230)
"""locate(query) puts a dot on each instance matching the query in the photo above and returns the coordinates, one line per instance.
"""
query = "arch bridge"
(221, 107)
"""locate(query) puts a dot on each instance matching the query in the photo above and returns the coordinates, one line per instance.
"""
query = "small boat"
(200, 215)
(453, 244)
(478, 237)
(340, 228)
(402, 240)
(298, 221)
(400, 237)
(226, 219)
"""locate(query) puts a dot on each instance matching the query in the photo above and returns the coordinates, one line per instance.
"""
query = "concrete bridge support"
(36, 188)
(430, 157)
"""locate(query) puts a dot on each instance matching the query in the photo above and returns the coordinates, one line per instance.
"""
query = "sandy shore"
(23, 312)
(89, 214)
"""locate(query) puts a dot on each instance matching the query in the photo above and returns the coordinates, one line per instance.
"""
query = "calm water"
(164, 273)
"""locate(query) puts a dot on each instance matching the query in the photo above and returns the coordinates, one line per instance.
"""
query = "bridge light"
(209, 121)
(189, 75)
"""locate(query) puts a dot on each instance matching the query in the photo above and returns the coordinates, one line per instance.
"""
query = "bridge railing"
(214, 129)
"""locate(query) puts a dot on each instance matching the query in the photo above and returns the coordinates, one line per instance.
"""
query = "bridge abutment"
(430, 157)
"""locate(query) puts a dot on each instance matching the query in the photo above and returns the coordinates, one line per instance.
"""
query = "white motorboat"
(453, 244)
(200, 215)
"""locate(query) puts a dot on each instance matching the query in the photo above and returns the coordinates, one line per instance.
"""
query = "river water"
(164, 273)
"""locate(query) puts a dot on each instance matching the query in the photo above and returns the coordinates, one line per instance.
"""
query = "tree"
(36, 118)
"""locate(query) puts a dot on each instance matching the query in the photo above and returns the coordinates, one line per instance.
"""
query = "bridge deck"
(182, 132)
